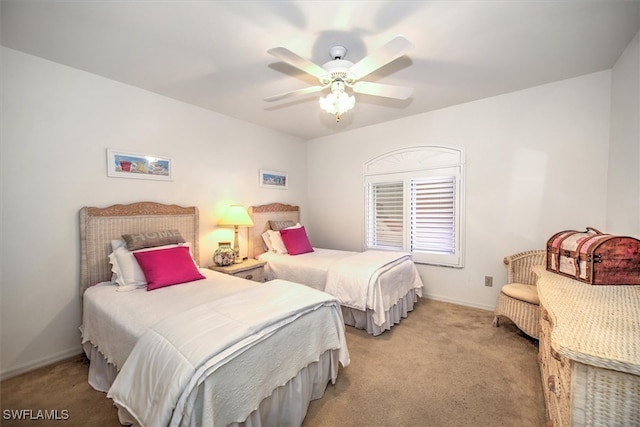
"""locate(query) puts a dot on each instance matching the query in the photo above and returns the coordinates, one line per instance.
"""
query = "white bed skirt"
(364, 319)
(286, 406)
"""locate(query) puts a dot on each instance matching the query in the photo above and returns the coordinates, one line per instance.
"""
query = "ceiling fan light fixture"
(340, 73)
(338, 101)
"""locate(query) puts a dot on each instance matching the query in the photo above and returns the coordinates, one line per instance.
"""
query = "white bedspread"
(373, 280)
(356, 281)
(310, 268)
(113, 321)
(177, 354)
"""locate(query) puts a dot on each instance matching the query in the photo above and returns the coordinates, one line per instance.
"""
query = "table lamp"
(237, 216)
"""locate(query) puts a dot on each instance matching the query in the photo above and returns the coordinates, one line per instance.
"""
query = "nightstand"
(250, 269)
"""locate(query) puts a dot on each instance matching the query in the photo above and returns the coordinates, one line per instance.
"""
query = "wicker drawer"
(545, 330)
(256, 274)
(250, 269)
(559, 385)
(556, 376)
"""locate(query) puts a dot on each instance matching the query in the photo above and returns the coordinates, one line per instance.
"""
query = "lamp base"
(236, 247)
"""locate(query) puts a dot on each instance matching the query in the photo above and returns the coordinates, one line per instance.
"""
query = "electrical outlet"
(488, 281)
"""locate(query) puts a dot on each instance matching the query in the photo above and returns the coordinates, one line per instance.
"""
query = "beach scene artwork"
(132, 165)
(273, 179)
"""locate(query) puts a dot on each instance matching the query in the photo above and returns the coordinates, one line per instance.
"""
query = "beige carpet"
(445, 365)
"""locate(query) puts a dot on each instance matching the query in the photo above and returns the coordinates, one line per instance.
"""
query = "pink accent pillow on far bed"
(166, 267)
(296, 240)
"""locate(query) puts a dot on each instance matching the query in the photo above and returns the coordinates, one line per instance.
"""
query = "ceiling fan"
(339, 74)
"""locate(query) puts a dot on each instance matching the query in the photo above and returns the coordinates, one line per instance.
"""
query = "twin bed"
(215, 350)
(376, 289)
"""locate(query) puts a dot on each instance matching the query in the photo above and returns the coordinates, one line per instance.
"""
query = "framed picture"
(273, 179)
(122, 164)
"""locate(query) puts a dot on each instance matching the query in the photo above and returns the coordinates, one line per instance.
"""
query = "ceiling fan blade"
(379, 89)
(387, 53)
(305, 91)
(299, 62)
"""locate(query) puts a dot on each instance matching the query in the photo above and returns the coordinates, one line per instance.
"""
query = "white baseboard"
(458, 302)
(39, 363)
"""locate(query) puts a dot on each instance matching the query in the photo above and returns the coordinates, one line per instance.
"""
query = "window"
(385, 219)
(414, 203)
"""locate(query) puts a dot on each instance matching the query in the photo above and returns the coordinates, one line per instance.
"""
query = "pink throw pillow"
(166, 267)
(296, 240)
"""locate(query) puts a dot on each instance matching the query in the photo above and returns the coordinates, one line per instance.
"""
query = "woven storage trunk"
(594, 257)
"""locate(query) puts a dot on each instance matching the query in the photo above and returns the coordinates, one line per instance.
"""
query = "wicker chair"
(518, 299)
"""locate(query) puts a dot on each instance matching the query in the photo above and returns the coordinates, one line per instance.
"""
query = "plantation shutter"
(385, 215)
(433, 215)
(414, 202)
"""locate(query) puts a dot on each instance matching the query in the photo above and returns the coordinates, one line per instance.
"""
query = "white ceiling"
(213, 54)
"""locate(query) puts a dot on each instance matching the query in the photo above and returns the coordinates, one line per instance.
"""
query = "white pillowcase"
(127, 273)
(267, 241)
(276, 242)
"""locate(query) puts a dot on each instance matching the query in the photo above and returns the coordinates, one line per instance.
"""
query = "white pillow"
(267, 241)
(127, 273)
(276, 242)
(115, 244)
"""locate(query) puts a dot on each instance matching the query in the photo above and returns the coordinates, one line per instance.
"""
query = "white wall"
(623, 185)
(536, 164)
(56, 125)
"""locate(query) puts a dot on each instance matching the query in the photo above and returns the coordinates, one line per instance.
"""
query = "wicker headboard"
(261, 215)
(98, 226)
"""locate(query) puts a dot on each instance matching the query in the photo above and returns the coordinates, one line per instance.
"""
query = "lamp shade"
(236, 215)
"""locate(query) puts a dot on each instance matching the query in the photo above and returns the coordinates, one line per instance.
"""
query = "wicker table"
(589, 351)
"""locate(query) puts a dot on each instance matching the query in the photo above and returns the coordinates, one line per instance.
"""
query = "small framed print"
(121, 164)
(273, 179)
